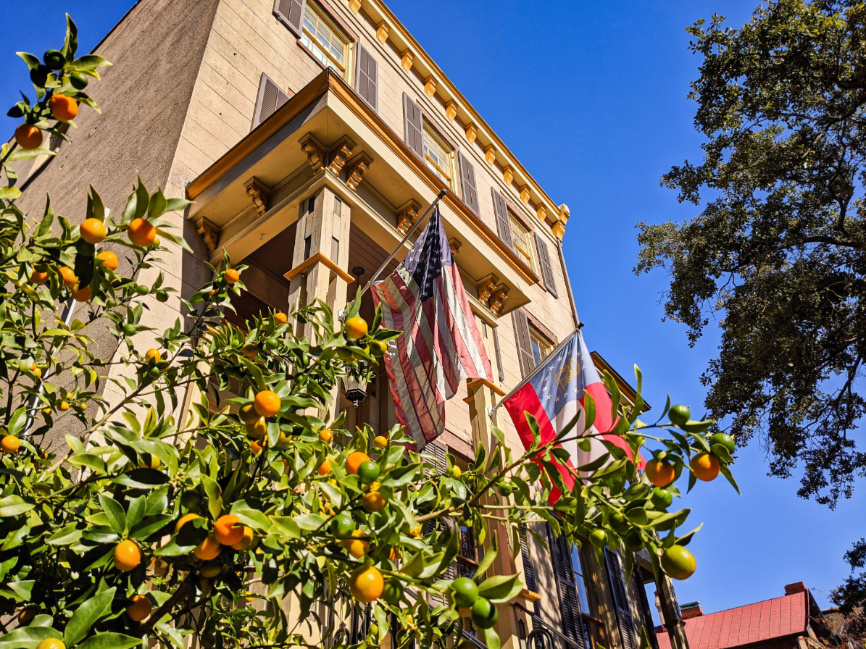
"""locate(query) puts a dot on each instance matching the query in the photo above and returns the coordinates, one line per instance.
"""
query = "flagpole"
(409, 233)
(537, 369)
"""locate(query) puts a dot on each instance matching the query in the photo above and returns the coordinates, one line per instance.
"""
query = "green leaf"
(487, 561)
(13, 506)
(115, 513)
(28, 154)
(86, 616)
(309, 522)
(9, 193)
(491, 638)
(213, 493)
(28, 637)
(252, 518)
(500, 588)
(109, 641)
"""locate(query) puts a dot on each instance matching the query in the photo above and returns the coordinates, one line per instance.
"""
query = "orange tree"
(159, 520)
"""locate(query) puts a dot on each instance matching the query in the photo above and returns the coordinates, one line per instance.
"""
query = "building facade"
(311, 135)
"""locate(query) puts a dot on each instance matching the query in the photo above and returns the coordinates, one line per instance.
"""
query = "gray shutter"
(367, 78)
(498, 355)
(616, 578)
(528, 568)
(270, 99)
(467, 182)
(291, 14)
(413, 125)
(503, 225)
(521, 333)
(569, 604)
(438, 451)
(546, 268)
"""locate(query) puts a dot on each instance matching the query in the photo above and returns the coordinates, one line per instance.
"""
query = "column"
(673, 622)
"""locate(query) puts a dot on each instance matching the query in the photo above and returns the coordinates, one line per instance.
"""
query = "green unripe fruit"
(154, 372)
(78, 81)
(368, 472)
(54, 59)
(679, 415)
(723, 439)
(661, 498)
(505, 487)
(619, 523)
(191, 500)
(483, 613)
(598, 538)
(633, 541)
(465, 592)
(342, 526)
(129, 329)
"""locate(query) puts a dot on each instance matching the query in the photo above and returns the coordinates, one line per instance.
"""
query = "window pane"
(578, 579)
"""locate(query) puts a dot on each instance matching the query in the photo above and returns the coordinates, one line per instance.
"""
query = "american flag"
(440, 345)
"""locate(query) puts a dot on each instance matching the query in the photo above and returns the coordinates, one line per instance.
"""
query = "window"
(538, 345)
(324, 40)
(522, 239)
(438, 155)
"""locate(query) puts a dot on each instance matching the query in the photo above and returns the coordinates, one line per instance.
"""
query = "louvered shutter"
(413, 123)
(438, 451)
(503, 225)
(528, 568)
(498, 355)
(569, 604)
(270, 99)
(521, 333)
(367, 78)
(467, 182)
(620, 600)
(546, 268)
(290, 13)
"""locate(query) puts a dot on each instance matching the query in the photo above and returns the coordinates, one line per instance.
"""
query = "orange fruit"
(108, 259)
(210, 569)
(257, 428)
(127, 555)
(357, 546)
(152, 355)
(660, 472)
(267, 403)
(324, 468)
(281, 317)
(326, 435)
(380, 441)
(678, 562)
(149, 461)
(355, 460)
(247, 413)
(139, 609)
(64, 406)
(141, 233)
(232, 276)
(10, 444)
(246, 539)
(256, 447)
(82, 294)
(28, 136)
(183, 520)
(227, 530)
(51, 643)
(208, 549)
(70, 279)
(39, 277)
(355, 328)
(373, 502)
(366, 584)
(63, 108)
(705, 467)
(93, 230)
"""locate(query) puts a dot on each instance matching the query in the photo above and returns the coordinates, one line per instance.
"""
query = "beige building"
(311, 134)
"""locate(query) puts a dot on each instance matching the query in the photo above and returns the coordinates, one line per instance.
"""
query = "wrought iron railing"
(544, 636)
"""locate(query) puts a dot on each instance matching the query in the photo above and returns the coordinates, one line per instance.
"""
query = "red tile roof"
(774, 618)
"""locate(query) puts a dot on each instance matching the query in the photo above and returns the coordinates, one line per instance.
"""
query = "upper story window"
(438, 155)
(522, 239)
(539, 345)
(326, 42)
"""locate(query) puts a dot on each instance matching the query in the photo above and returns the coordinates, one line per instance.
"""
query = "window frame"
(427, 128)
(543, 342)
(315, 47)
(529, 257)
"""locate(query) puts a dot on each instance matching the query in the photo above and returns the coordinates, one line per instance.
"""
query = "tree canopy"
(776, 254)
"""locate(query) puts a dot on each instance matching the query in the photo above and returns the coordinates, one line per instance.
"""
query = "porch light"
(356, 389)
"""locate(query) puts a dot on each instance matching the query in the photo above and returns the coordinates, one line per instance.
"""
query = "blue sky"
(591, 97)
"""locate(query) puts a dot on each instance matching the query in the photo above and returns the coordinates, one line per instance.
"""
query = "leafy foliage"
(168, 518)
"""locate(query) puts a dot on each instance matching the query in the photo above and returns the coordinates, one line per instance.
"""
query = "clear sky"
(591, 97)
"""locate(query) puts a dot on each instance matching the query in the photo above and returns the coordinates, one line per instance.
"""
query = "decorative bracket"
(356, 170)
(455, 244)
(315, 151)
(339, 153)
(497, 300)
(485, 287)
(407, 214)
(259, 194)
(209, 233)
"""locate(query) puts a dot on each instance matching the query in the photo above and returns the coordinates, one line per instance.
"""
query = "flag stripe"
(440, 346)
